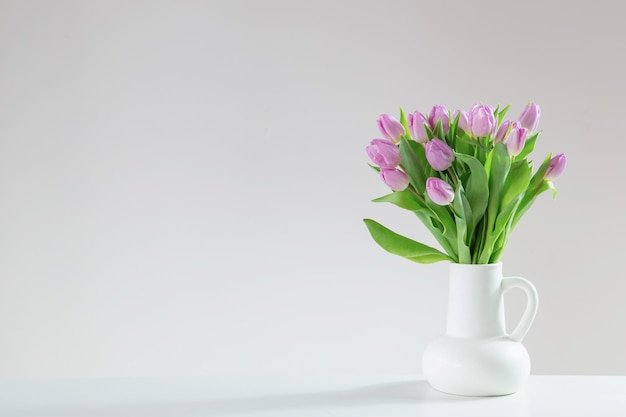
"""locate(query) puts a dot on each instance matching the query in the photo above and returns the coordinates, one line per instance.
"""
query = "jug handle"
(531, 307)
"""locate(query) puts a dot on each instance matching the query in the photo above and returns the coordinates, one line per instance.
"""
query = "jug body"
(476, 356)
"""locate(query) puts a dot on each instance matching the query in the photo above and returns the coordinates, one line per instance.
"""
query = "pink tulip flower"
(390, 128)
(383, 153)
(416, 126)
(482, 120)
(516, 139)
(503, 130)
(464, 122)
(439, 154)
(439, 191)
(556, 167)
(439, 112)
(394, 178)
(529, 118)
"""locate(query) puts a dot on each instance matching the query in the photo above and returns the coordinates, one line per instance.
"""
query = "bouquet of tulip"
(465, 175)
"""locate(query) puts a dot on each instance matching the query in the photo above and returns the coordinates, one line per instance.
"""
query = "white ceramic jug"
(476, 356)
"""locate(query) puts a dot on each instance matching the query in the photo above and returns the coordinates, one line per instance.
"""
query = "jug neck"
(475, 306)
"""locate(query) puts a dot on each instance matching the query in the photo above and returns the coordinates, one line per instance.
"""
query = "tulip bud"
(383, 153)
(556, 167)
(394, 178)
(439, 112)
(416, 126)
(390, 128)
(439, 154)
(503, 130)
(464, 122)
(515, 140)
(439, 191)
(529, 118)
(482, 120)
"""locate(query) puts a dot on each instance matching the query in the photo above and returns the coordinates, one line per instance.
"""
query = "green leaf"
(403, 246)
(404, 199)
(413, 159)
(476, 187)
(497, 253)
(464, 143)
(374, 167)
(462, 213)
(465, 256)
(528, 201)
(529, 145)
(516, 182)
(420, 152)
(452, 132)
(429, 131)
(439, 130)
(478, 240)
(404, 123)
(437, 229)
(538, 177)
(536, 186)
(501, 229)
(504, 226)
(505, 216)
(500, 164)
(469, 218)
(500, 114)
(497, 165)
(553, 188)
(444, 216)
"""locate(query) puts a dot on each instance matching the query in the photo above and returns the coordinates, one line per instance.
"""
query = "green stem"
(453, 177)
(416, 194)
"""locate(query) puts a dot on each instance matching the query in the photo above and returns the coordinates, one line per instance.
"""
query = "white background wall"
(182, 183)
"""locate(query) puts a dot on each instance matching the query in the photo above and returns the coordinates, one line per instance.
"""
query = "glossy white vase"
(476, 356)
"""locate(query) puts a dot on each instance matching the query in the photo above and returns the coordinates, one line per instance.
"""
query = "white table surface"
(379, 396)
